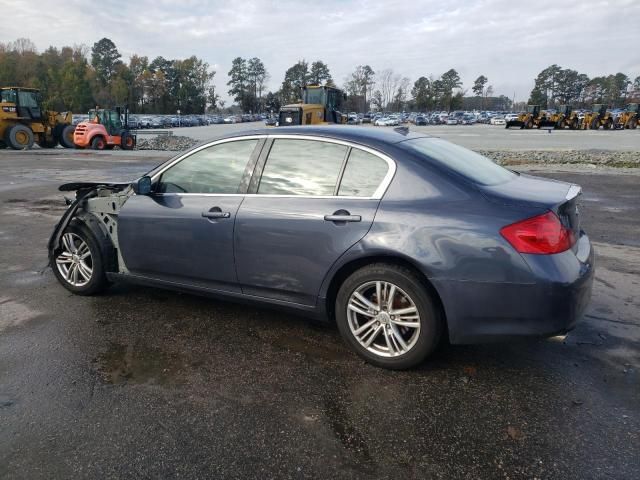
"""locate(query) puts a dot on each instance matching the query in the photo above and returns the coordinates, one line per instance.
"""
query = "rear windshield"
(469, 164)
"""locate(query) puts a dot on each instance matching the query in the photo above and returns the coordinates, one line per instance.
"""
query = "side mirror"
(142, 186)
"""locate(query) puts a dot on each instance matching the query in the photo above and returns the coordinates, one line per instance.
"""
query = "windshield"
(471, 165)
(27, 99)
(314, 95)
(8, 96)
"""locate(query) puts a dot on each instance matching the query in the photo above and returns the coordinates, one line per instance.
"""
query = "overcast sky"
(508, 41)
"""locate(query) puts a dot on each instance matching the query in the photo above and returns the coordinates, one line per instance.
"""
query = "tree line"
(556, 86)
(78, 78)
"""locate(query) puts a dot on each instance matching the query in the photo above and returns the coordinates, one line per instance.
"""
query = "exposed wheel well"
(343, 273)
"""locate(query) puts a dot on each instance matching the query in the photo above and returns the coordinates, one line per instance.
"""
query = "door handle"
(216, 212)
(342, 216)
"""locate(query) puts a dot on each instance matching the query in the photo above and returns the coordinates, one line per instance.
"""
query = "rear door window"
(302, 167)
(363, 174)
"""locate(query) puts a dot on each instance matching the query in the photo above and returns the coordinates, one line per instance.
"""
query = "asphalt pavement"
(146, 383)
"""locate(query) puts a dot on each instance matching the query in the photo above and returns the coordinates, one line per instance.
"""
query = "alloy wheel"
(74, 261)
(383, 318)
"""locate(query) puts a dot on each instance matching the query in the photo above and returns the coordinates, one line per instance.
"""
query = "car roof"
(355, 134)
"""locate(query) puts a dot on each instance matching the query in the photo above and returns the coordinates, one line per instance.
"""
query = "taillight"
(542, 235)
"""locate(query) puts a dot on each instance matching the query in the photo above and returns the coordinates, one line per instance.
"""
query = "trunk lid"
(539, 193)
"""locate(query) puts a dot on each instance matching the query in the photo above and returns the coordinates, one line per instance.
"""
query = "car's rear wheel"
(386, 314)
(77, 263)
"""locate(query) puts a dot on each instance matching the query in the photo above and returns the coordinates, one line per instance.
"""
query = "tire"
(98, 143)
(19, 137)
(66, 136)
(44, 143)
(63, 259)
(127, 141)
(385, 350)
(2, 145)
(608, 124)
(595, 124)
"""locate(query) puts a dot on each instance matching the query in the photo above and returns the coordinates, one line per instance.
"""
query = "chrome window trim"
(377, 195)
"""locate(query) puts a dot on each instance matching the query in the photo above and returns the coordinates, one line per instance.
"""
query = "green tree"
(319, 73)
(423, 94)
(238, 82)
(295, 79)
(478, 85)
(105, 58)
(256, 76)
(449, 81)
(272, 102)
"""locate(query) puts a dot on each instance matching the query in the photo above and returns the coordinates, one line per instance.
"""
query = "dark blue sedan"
(400, 238)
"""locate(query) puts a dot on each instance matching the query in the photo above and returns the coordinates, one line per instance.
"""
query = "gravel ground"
(173, 143)
(586, 157)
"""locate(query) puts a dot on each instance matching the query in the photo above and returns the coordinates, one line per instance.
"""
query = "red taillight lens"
(542, 235)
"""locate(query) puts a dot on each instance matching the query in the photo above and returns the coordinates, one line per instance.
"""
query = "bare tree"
(389, 84)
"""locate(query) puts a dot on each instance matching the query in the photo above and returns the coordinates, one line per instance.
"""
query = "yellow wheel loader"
(598, 117)
(529, 119)
(629, 118)
(320, 105)
(23, 121)
(566, 118)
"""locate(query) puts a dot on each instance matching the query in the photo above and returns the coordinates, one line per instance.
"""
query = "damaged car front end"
(83, 248)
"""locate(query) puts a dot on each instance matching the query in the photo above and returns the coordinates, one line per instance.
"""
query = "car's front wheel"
(77, 262)
(387, 315)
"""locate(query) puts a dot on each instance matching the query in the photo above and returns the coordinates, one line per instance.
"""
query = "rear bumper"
(551, 305)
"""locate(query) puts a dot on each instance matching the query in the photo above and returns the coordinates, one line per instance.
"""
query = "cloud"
(509, 42)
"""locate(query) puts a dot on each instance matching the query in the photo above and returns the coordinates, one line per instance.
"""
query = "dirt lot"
(146, 383)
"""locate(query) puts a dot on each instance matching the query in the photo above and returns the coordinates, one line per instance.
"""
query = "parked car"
(398, 237)
(381, 121)
(145, 122)
(452, 121)
(420, 120)
(498, 120)
(510, 117)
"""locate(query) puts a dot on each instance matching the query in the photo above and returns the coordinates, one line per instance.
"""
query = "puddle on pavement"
(13, 313)
(128, 364)
(345, 429)
(50, 206)
(332, 349)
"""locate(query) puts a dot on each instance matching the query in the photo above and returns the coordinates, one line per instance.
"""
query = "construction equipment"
(320, 104)
(629, 118)
(105, 129)
(565, 117)
(23, 121)
(598, 117)
(532, 117)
